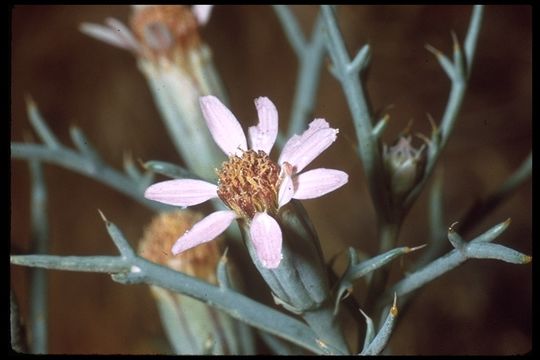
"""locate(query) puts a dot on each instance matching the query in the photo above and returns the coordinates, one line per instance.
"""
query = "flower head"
(178, 67)
(404, 165)
(162, 232)
(253, 186)
(184, 314)
(157, 31)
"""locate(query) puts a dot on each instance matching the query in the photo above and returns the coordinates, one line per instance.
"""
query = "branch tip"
(142, 163)
(29, 100)
(452, 227)
(433, 50)
(455, 41)
(411, 249)
(348, 292)
(224, 257)
(394, 309)
(103, 217)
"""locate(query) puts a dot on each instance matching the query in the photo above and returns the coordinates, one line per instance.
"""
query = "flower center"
(164, 29)
(249, 184)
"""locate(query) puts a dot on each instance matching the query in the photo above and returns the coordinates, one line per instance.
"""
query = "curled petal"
(318, 182)
(181, 192)
(300, 150)
(293, 143)
(202, 13)
(204, 231)
(223, 126)
(107, 35)
(267, 239)
(263, 136)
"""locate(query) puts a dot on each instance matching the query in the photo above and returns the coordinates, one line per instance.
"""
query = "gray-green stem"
(323, 321)
(388, 236)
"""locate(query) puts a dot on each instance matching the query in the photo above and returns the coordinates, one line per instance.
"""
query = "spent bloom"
(178, 67)
(162, 232)
(253, 186)
(157, 31)
(192, 326)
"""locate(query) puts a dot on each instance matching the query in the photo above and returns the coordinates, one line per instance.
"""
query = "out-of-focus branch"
(310, 57)
(84, 161)
(38, 282)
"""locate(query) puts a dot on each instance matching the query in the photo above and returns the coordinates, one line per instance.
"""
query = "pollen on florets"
(249, 184)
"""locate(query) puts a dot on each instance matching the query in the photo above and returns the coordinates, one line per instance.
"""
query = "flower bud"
(192, 326)
(404, 165)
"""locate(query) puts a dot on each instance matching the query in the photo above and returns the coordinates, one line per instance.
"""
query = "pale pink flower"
(250, 184)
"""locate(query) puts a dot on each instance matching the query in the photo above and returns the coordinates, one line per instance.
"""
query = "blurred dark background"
(483, 307)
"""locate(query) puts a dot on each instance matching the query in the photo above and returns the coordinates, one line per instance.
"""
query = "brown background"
(483, 307)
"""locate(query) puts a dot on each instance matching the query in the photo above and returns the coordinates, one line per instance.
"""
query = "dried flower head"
(157, 31)
(178, 67)
(193, 327)
(165, 30)
(162, 232)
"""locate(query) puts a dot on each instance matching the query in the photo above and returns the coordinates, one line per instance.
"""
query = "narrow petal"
(318, 182)
(181, 192)
(105, 34)
(202, 13)
(286, 188)
(267, 239)
(204, 231)
(263, 136)
(299, 151)
(223, 126)
(124, 32)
